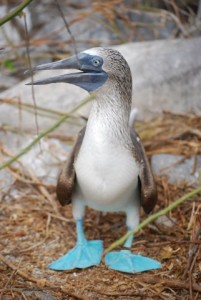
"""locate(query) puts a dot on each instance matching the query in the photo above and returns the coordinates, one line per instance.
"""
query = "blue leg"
(126, 261)
(83, 255)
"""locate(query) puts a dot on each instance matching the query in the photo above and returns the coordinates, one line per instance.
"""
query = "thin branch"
(24, 275)
(31, 73)
(66, 25)
(41, 282)
(9, 280)
(172, 283)
(16, 11)
(44, 133)
(153, 217)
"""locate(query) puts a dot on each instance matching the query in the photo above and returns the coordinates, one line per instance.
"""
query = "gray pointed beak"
(68, 63)
(87, 78)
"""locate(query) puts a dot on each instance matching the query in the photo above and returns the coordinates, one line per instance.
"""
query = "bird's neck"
(110, 113)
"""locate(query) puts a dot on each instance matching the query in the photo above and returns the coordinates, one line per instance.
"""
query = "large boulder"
(166, 75)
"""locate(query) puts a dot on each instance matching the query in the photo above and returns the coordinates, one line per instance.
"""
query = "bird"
(107, 169)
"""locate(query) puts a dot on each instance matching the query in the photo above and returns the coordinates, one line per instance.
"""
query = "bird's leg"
(84, 254)
(125, 260)
(129, 241)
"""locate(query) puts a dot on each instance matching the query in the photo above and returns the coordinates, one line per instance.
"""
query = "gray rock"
(93, 28)
(59, 97)
(166, 221)
(39, 295)
(89, 32)
(45, 159)
(88, 23)
(151, 25)
(177, 168)
(7, 82)
(166, 75)
(6, 180)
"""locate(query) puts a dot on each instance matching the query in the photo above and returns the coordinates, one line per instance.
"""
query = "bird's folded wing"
(66, 179)
(147, 183)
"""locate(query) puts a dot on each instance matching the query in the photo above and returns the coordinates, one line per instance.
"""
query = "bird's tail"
(132, 118)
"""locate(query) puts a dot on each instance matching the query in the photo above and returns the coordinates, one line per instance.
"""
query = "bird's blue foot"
(126, 261)
(85, 253)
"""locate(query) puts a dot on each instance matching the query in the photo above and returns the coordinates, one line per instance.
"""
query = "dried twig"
(39, 282)
(66, 25)
(43, 190)
(75, 296)
(9, 280)
(172, 283)
(24, 275)
(194, 249)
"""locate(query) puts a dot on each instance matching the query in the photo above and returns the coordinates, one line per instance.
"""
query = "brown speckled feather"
(66, 178)
(147, 185)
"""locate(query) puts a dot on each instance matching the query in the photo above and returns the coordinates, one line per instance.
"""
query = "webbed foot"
(83, 255)
(126, 261)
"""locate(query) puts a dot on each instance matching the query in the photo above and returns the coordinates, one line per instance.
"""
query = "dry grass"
(34, 231)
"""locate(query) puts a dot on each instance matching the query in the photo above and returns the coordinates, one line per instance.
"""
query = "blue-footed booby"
(107, 169)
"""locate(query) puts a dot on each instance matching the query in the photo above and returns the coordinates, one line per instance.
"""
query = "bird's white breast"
(107, 175)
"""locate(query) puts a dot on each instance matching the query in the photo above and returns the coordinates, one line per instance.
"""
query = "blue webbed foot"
(83, 255)
(126, 261)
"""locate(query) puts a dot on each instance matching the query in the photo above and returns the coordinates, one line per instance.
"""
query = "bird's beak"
(87, 78)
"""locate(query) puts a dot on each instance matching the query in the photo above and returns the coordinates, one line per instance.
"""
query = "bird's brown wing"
(146, 180)
(66, 179)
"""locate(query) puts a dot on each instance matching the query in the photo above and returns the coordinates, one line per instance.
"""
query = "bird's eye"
(96, 62)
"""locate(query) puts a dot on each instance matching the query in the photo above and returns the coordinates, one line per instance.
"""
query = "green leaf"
(9, 64)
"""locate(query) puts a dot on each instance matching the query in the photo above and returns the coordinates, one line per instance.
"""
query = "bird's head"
(96, 66)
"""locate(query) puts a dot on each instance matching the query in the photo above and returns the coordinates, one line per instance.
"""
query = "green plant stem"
(14, 12)
(41, 111)
(44, 133)
(153, 217)
(31, 106)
